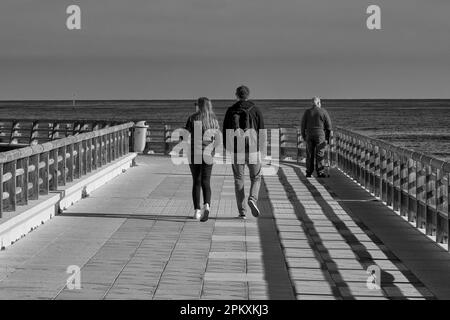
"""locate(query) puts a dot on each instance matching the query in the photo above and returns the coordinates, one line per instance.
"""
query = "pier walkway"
(135, 238)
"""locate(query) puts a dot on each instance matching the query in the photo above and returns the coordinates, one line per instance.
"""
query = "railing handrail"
(52, 120)
(34, 171)
(402, 151)
(51, 145)
(415, 185)
(65, 120)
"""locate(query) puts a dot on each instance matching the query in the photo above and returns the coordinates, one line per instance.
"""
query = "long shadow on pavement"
(387, 280)
(303, 217)
(279, 285)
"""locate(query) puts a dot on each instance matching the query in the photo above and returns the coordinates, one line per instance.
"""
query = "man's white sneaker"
(254, 208)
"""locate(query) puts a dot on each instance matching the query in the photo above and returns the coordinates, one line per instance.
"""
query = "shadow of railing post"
(302, 216)
(387, 279)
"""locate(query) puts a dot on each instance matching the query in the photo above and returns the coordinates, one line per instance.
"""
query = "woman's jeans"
(201, 176)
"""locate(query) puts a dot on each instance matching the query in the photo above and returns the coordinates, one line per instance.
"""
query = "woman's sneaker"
(254, 208)
(197, 214)
(205, 215)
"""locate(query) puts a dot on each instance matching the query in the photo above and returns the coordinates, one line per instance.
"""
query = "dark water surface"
(422, 125)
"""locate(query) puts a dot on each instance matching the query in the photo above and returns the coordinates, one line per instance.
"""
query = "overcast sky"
(175, 49)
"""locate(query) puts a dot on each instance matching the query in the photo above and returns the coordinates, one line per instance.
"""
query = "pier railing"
(159, 139)
(412, 183)
(34, 171)
(15, 133)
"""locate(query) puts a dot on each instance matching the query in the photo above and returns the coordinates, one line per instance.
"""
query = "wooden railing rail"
(27, 173)
(16, 133)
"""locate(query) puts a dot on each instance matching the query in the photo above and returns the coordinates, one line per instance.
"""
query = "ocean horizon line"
(227, 99)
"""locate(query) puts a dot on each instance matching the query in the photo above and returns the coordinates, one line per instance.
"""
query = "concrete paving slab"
(135, 238)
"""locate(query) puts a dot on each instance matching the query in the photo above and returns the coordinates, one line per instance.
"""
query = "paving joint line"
(126, 219)
(129, 260)
(93, 255)
(34, 255)
(171, 252)
(210, 244)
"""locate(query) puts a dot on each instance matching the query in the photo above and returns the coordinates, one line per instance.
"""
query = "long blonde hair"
(205, 114)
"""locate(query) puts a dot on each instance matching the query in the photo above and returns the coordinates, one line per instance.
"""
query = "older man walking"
(316, 129)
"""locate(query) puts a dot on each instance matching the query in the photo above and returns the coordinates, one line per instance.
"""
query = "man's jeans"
(255, 178)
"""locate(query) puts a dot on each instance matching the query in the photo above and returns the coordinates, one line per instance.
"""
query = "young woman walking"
(198, 124)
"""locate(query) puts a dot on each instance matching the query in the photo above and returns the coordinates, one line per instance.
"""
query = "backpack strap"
(251, 119)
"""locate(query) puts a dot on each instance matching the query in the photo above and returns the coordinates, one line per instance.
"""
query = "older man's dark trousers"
(315, 154)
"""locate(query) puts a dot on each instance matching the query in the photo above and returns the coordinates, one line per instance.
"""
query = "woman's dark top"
(200, 140)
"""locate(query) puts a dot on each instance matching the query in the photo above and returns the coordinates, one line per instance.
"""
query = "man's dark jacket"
(316, 122)
(254, 113)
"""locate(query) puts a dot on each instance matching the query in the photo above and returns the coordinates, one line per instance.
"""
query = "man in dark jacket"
(316, 129)
(241, 127)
